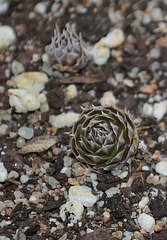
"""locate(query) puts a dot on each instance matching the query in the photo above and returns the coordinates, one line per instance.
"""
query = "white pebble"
(143, 202)
(3, 129)
(157, 14)
(108, 99)
(145, 168)
(75, 210)
(17, 67)
(146, 222)
(22, 100)
(53, 182)
(112, 191)
(33, 82)
(67, 161)
(3, 173)
(71, 91)
(4, 6)
(18, 194)
(155, 52)
(83, 194)
(114, 38)
(26, 132)
(160, 109)
(20, 142)
(146, 19)
(161, 167)
(7, 36)
(63, 119)
(24, 178)
(147, 109)
(93, 176)
(41, 8)
(100, 53)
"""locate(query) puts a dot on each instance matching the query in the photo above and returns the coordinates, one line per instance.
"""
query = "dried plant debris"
(38, 144)
(104, 137)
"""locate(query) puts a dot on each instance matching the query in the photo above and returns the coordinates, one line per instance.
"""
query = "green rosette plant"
(66, 52)
(104, 137)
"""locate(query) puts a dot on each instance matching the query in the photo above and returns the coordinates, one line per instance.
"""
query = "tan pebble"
(137, 234)
(33, 199)
(53, 229)
(152, 144)
(156, 180)
(64, 237)
(161, 124)
(8, 212)
(156, 155)
(118, 234)
(73, 182)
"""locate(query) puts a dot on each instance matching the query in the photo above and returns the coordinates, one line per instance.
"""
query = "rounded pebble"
(161, 167)
(157, 14)
(26, 132)
(41, 8)
(83, 194)
(143, 202)
(114, 38)
(24, 178)
(147, 109)
(20, 142)
(71, 91)
(108, 99)
(4, 6)
(155, 52)
(146, 222)
(17, 67)
(13, 175)
(3, 129)
(160, 109)
(3, 173)
(100, 53)
(7, 36)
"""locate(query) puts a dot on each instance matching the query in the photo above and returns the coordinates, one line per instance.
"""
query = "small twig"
(13, 181)
(82, 79)
(144, 127)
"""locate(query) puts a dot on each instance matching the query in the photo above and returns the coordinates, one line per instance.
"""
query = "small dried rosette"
(66, 52)
(104, 137)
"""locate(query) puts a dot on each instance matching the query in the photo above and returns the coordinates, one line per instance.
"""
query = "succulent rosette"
(104, 137)
(66, 52)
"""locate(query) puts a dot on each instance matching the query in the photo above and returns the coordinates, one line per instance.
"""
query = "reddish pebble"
(157, 228)
(148, 88)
